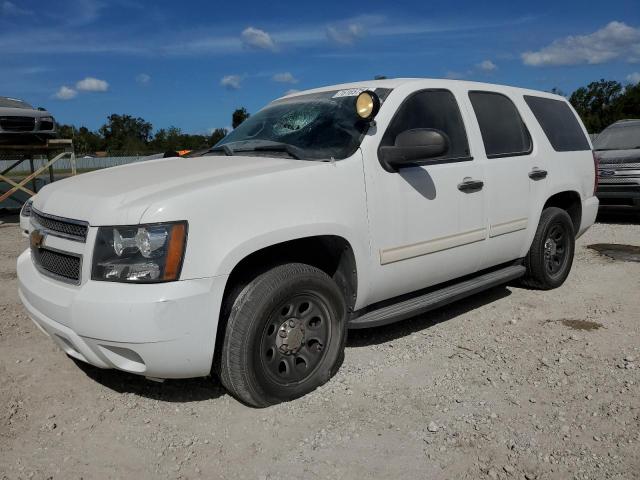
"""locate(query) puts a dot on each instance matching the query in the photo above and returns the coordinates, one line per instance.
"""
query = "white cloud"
(10, 9)
(65, 93)
(190, 40)
(84, 12)
(487, 66)
(291, 91)
(634, 77)
(232, 82)
(256, 38)
(451, 75)
(91, 84)
(284, 77)
(616, 40)
(345, 34)
(143, 78)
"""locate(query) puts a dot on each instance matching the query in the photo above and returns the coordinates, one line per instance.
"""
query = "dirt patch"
(8, 275)
(483, 389)
(575, 324)
(625, 253)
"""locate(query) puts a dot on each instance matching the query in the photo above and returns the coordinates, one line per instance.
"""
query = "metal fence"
(82, 163)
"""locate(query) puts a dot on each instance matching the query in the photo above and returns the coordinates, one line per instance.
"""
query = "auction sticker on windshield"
(351, 92)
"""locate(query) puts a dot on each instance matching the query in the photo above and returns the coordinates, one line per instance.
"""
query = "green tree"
(217, 135)
(239, 116)
(597, 104)
(87, 141)
(84, 140)
(127, 134)
(172, 139)
(628, 105)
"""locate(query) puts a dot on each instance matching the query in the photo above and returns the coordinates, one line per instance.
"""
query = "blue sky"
(190, 64)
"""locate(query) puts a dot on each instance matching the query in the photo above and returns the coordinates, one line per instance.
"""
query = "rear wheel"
(550, 257)
(285, 335)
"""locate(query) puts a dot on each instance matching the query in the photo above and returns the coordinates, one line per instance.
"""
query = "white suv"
(348, 206)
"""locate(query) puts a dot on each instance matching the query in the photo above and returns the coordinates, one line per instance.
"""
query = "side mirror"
(415, 145)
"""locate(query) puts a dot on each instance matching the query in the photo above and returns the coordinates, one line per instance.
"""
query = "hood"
(22, 112)
(120, 195)
(618, 156)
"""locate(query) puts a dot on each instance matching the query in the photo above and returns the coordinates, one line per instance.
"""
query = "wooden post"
(27, 153)
(34, 184)
(50, 168)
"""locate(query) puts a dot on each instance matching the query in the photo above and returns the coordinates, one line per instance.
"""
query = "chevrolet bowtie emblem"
(36, 239)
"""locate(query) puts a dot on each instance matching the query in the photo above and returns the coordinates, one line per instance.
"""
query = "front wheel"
(285, 335)
(550, 257)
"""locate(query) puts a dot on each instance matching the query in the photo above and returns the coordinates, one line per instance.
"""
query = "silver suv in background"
(20, 123)
(618, 150)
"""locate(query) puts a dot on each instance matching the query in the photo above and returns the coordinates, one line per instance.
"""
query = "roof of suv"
(428, 82)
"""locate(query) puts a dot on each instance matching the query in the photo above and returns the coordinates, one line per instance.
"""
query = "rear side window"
(503, 132)
(559, 124)
(431, 109)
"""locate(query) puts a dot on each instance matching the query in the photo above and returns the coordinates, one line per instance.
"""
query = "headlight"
(139, 253)
(25, 211)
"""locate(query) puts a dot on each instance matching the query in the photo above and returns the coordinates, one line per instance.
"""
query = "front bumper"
(622, 194)
(164, 330)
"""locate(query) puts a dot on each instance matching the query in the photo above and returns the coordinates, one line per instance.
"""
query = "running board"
(434, 299)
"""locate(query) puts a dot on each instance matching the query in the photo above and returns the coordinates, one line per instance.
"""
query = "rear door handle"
(537, 174)
(469, 185)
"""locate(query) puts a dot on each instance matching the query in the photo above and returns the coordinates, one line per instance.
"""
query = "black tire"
(550, 257)
(285, 335)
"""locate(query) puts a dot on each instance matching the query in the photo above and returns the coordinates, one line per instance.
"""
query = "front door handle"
(469, 185)
(537, 174)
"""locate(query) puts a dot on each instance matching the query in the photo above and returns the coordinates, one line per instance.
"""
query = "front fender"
(268, 239)
(229, 221)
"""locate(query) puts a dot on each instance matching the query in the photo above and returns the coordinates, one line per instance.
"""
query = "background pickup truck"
(618, 151)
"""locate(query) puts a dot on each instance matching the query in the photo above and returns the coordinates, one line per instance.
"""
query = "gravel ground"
(511, 383)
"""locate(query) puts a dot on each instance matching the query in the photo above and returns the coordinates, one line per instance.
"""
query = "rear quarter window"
(559, 124)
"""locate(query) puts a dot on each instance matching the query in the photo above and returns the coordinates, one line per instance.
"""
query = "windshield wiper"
(222, 148)
(293, 152)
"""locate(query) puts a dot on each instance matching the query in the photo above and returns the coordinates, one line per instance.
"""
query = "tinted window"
(436, 109)
(503, 131)
(559, 124)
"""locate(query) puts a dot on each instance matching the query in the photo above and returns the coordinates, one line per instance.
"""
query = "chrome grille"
(619, 166)
(61, 227)
(619, 180)
(17, 124)
(62, 266)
